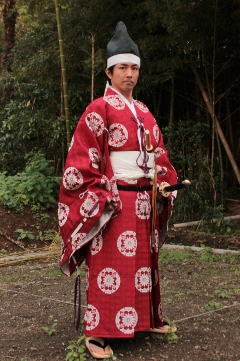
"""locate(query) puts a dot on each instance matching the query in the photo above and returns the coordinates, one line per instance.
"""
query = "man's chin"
(128, 86)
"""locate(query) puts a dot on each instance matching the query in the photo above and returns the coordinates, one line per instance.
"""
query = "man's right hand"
(110, 206)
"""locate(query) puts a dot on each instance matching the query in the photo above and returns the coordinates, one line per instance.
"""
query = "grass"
(204, 281)
(191, 285)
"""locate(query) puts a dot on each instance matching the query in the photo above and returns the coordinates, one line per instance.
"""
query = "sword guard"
(162, 190)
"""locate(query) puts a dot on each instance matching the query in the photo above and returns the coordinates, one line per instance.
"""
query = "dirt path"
(201, 293)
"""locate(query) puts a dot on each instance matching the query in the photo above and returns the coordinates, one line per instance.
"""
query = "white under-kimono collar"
(130, 105)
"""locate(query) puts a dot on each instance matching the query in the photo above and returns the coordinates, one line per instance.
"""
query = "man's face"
(124, 77)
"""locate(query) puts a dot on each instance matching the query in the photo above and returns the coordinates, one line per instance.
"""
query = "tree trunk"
(218, 127)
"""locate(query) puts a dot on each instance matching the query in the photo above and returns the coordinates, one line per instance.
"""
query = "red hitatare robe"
(123, 290)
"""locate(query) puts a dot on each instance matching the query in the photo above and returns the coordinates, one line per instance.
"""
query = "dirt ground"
(200, 294)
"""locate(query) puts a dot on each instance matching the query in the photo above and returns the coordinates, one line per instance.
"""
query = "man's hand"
(110, 206)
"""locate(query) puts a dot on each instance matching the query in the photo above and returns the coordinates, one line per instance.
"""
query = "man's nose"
(129, 72)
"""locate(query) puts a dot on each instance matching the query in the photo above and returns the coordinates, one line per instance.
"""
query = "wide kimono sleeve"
(87, 184)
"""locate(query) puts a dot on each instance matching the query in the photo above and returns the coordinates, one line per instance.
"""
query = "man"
(109, 212)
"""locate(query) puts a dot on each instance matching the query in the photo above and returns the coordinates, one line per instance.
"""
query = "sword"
(166, 188)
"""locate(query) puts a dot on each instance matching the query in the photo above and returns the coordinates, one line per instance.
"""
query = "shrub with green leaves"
(76, 350)
(36, 185)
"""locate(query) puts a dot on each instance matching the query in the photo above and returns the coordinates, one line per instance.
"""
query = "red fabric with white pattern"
(122, 270)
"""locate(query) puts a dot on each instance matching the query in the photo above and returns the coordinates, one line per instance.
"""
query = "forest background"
(189, 79)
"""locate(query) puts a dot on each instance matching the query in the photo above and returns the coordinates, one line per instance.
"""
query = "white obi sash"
(126, 165)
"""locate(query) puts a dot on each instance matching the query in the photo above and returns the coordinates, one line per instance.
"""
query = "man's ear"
(108, 73)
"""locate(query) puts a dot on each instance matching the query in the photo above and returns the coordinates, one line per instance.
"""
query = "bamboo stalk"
(63, 70)
(195, 223)
(218, 127)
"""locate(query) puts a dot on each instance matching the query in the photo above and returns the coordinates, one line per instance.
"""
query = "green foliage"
(46, 235)
(212, 305)
(175, 255)
(34, 186)
(187, 142)
(76, 350)
(23, 234)
(170, 337)
(173, 36)
(218, 226)
(26, 127)
(222, 293)
(39, 214)
(207, 254)
(51, 330)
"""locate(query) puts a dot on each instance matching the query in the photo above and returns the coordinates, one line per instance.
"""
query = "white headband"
(123, 58)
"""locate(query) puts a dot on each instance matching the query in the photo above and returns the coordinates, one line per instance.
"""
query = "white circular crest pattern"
(159, 151)
(77, 240)
(161, 170)
(156, 133)
(91, 317)
(96, 244)
(143, 206)
(90, 206)
(143, 280)
(127, 243)
(95, 122)
(115, 101)
(94, 156)
(72, 179)
(108, 280)
(118, 135)
(141, 106)
(126, 320)
(63, 211)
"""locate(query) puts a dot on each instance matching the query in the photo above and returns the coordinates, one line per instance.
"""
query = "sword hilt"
(149, 146)
(166, 188)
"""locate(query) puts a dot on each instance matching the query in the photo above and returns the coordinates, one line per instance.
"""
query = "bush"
(36, 185)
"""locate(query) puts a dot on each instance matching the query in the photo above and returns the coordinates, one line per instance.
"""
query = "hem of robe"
(122, 335)
(69, 266)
